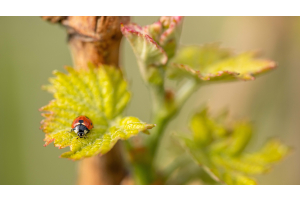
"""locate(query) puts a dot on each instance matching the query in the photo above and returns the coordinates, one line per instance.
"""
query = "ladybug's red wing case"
(87, 122)
(75, 122)
(83, 120)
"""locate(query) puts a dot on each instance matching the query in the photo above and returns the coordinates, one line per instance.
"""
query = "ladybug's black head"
(81, 130)
(80, 134)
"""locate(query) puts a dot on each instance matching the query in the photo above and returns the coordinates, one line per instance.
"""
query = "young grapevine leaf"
(210, 62)
(154, 45)
(220, 149)
(145, 48)
(166, 32)
(98, 93)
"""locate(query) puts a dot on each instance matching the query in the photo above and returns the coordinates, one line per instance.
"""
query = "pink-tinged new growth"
(166, 32)
(156, 43)
(144, 47)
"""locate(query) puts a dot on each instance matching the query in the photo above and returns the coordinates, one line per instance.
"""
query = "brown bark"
(96, 39)
(108, 169)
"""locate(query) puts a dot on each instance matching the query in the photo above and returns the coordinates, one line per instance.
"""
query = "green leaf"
(201, 127)
(205, 129)
(223, 155)
(272, 152)
(99, 93)
(237, 179)
(210, 62)
(241, 136)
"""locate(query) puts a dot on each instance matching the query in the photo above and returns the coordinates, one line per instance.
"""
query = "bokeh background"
(30, 49)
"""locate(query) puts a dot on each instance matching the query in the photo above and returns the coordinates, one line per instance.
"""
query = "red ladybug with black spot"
(82, 125)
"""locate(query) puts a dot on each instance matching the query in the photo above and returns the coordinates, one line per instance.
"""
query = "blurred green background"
(30, 49)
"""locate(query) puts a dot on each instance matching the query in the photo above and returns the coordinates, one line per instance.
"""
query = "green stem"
(186, 91)
(158, 97)
(162, 116)
(162, 113)
(143, 173)
(177, 163)
(161, 124)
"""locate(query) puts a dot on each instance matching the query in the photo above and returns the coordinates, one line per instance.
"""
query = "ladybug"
(82, 125)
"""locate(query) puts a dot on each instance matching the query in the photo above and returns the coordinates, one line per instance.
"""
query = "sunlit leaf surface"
(212, 63)
(99, 93)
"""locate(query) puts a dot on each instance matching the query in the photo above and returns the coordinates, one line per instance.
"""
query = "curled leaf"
(145, 48)
(223, 155)
(99, 93)
(210, 62)
(166, 32)
(154, 44)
